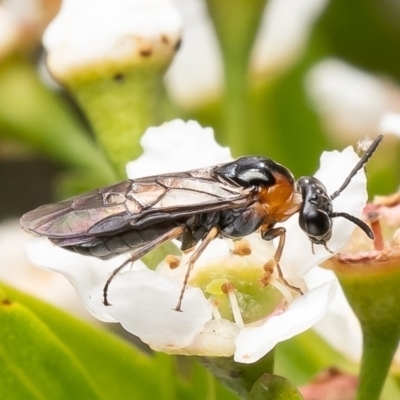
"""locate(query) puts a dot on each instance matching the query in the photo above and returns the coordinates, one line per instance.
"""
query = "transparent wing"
(139, 203)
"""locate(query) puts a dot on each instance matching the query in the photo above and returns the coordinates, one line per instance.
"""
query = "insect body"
(228, 200)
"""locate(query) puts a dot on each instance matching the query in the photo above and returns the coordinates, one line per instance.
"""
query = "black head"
(316, 213)
(253, 171)
(315, 216)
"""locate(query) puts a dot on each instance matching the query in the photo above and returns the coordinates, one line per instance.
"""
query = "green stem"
(372, 289)
(378, 349)
(235, 113)
(236, 23)
(240, 378)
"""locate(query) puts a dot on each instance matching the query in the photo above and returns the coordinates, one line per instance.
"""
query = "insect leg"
(212, 233)
(281, 233)
(142, 251)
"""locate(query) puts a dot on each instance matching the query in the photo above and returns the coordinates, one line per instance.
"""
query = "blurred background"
(319, 76)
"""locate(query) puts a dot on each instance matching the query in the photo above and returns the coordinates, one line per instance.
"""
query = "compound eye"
(317, 223)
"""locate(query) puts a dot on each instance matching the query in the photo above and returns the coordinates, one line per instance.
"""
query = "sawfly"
(228, 200)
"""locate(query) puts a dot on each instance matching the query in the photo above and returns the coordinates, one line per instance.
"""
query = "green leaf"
(118, 369)
(36, 364)
(365, 33)
(274, 387)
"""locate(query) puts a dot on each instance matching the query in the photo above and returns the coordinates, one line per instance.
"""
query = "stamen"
(286, 292)
(228, 288)
(215, 311)
(269, 270)
(241, 248)
(172, 261)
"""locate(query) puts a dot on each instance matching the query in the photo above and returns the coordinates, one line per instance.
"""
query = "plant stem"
(378, 349)
(236, 23)
(238, 377)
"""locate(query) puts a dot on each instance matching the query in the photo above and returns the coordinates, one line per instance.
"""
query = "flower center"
(237, 291)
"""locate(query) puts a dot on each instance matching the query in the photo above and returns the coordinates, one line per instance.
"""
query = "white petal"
(177, 146)
(253, 343)
(217, 339)
(350, 99)
(339, 326)
(297, 257)
(144, 301)
(390, 123)
(83, 272)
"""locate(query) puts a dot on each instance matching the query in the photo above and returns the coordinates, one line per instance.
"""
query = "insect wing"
(78, 215)
(137, 203)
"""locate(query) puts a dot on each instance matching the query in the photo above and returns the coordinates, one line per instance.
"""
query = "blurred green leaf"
(36, 364)
(364, 33)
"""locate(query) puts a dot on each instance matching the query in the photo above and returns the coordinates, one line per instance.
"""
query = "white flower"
(350, 101)
(390, 124)
(225, 310)
(90, 32)
(172, 148)
(339, 326)
(197, 71)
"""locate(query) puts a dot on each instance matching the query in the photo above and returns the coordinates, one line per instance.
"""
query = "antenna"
(363, 160)
(361, 224)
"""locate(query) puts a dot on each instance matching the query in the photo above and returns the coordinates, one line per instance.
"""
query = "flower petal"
(390, 123)
(297, 257)
(144, 303)
(217, 339)
(339, 326)
(350, 100)
(177, 146)
(83, 272)
(253, 343)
